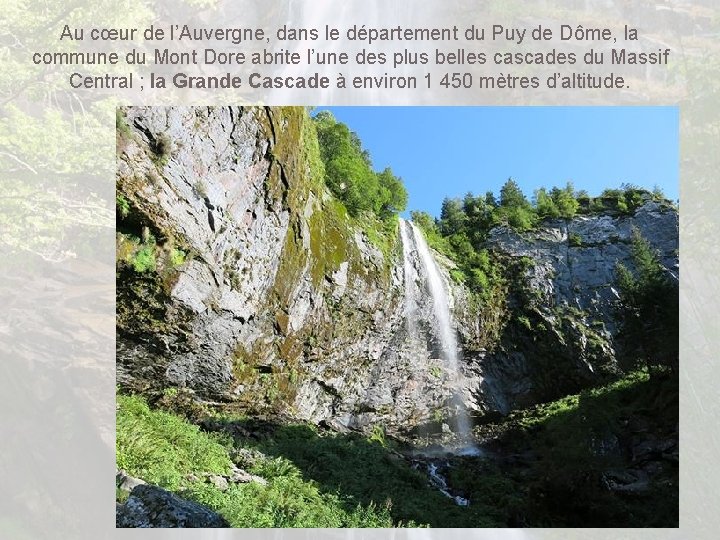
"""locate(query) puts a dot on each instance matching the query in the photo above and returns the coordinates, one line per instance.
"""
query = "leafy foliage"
(122, 205)
(366, 471)
(464, 224)
(55, 143)
(461, 233)
(144, 259)
(318, 478)
(349, 173)
(574, 239)
(559, 202)
(177, 257)
(514, 209)
(161, 448)
(476, 215)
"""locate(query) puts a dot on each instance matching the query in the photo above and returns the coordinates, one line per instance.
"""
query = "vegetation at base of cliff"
(166, 450)
(605, 457)
(362, 470)
(315, 478)
(160, 447)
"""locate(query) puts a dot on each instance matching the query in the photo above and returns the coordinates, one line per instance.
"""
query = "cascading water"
(442, 326)
(410, 289)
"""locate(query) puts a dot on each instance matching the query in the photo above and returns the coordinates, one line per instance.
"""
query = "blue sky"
(447, 151)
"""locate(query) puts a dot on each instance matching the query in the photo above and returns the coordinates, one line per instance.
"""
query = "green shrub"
(544, 204)
(575, 240)
(122, 205)
(177, 257)
(144, 259)
(162, 448)
(161, 147)
(377, 434)
(648, 309)
(525, 322)
(121, 125)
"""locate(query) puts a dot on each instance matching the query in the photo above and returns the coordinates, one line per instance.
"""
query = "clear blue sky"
(447, 151)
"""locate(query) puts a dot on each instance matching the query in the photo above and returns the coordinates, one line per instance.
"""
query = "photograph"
(344, 317)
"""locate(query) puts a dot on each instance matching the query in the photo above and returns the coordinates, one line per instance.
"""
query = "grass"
(547, 472)
(177, 257)
(122, 205)
(315, 479)
(436, 371)
(556, 477)
(164, 449)
(144, 259)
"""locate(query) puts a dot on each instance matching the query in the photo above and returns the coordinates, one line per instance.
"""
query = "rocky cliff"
(242, 279)
(560, 324)
(261, 291)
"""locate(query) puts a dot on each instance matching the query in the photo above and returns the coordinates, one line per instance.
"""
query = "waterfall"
(443, 330)
(410, 288)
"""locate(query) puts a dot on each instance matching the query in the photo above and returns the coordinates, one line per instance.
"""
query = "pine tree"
(648, 309)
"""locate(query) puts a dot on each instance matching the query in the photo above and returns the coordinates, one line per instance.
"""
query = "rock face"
(280, 301)
(151, 506)
(561, 322)
(574, 261)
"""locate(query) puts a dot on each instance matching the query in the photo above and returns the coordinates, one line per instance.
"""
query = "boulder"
(151, 506)
(126, 482)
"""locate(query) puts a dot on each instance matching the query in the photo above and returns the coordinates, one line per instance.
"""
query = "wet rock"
(151, 506)
(630, 481)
